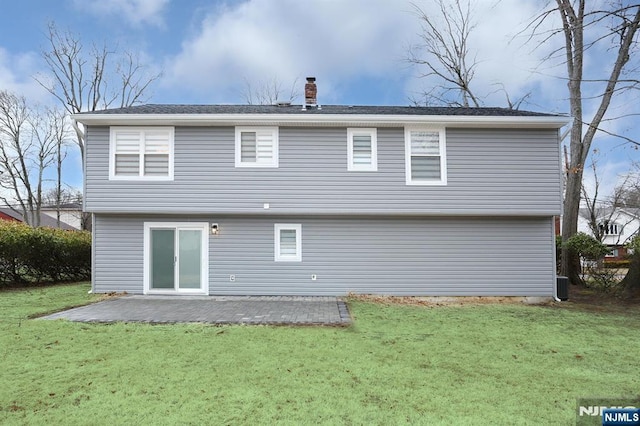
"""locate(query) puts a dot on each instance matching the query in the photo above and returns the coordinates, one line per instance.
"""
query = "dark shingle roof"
(325, 109)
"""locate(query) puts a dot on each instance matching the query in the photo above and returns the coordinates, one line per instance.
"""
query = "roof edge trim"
(320, 120)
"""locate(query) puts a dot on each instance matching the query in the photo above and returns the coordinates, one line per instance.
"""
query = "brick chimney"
(310, 92)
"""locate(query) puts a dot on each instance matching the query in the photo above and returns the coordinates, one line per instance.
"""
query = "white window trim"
(112, 153)
(274, 134)
(443, 155)
(613, 225)
(613, 252)
(371, 132)
(204, 263)
(287, 226)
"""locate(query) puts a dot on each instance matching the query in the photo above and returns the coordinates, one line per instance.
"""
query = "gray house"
(322, 200)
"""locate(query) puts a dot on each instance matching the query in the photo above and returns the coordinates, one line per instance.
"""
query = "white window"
(612, 253)
(144, 153)
(362, 151)
(256, 147)
(288, 247)
(425, 156)
(608, 228)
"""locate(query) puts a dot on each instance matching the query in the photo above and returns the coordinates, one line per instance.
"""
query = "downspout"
(566, 133)
(555, 265)
(79, 131)
(74, 124)
(93, 255)
(562, 137)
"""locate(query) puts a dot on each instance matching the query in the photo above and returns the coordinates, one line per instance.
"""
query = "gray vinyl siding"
(118, 254)
(439, 256)
(490, 172)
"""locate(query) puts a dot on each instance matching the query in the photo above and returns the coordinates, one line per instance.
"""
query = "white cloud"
(506, 59)
(610, 173)
(136, 12)
(16, 75)
(346, 43)
(263, 39)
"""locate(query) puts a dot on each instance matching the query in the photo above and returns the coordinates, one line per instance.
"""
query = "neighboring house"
(45, 220)
(286, 200)
(70, 213)
(616, 225)
(7, 216)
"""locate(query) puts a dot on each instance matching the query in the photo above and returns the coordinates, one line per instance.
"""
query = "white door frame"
(204, 261)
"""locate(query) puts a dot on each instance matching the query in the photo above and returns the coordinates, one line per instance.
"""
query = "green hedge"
(35, 255)
(616, 264)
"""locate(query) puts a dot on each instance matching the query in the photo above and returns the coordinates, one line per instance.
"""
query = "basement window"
(288, 247)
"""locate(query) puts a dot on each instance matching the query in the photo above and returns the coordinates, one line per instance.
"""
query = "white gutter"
(74, 124)
(381, 120)
(566, 132)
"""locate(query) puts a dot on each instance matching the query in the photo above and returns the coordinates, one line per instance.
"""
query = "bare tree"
(630, 196)
(615, 23)
(600, 211)
(56, 126)
(447, 58)
(269, 92)
(67, 202)
(29, 140)
(631, 200)
(444, 52)
(14, 114)
(88, 80)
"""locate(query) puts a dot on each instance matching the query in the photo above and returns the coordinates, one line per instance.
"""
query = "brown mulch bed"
(579, 298)
(588, 299)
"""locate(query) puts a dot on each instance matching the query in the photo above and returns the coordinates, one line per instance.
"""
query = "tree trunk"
(570, 266)
(59, 181)
(631, 282)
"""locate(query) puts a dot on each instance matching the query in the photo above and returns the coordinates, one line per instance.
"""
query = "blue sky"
(207, 49)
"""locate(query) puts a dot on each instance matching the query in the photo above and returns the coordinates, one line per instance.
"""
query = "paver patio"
(213, 309)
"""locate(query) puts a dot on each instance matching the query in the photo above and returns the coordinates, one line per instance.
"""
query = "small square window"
(288, 247)
(256, 147)
(362, 151)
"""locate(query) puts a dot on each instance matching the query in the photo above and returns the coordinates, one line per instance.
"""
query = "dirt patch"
(111, 295)
(432, 301)
(593, 300)
(579, 298)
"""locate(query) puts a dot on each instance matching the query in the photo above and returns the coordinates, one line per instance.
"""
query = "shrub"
(586, 246)
(592, 252)
(616, 264)
(13, 244)
(42, 254)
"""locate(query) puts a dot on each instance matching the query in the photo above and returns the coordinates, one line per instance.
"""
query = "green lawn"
(490, 364)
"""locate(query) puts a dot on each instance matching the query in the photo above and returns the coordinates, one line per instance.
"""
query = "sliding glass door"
(176, 257)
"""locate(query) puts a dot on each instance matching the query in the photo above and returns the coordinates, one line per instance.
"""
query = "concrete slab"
(214, 310)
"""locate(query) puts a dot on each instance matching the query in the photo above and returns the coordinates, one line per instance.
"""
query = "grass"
(491, 364)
